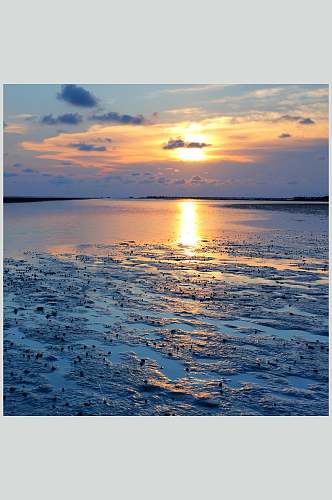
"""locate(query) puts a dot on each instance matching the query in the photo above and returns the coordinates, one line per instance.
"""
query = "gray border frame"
(165, 42)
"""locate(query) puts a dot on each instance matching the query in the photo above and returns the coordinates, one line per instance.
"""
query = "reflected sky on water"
(187, 223)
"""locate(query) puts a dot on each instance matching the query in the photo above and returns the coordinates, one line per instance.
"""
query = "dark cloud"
(66, 119)
(296, 118)
(17, 165)
(179, 143)
(180, 181)
(77, 96)
(10, 174)
(87, 147)
(197, 180)
(285, 135)
(307, 121)
(113, 116)
(290, 118)
(197, 145)
(174, 144)
(30, 171)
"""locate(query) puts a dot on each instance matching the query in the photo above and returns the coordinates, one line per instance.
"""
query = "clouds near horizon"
(115, 117)
(65, 119)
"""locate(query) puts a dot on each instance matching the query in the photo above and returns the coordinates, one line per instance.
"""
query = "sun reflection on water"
(188, 225)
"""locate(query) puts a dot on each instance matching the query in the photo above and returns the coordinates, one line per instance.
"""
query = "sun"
(190, 154)
(193, 153)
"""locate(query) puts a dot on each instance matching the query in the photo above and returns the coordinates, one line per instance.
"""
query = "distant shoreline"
(31, 199)
(236, 198)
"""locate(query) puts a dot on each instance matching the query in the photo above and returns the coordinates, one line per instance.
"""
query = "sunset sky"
(137, 140)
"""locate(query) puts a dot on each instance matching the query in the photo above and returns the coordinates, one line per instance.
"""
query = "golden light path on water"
(188, 231)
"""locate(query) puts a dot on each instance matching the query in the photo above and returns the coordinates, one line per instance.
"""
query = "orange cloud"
(244, 139)
(15, 128)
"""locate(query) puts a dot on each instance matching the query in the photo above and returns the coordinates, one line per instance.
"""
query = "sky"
(166, 140)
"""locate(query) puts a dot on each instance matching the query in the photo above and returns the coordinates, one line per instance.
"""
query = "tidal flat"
(231, 322)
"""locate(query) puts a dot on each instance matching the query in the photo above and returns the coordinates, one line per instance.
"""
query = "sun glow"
(196, 138)
(190, 154)
(188, 226)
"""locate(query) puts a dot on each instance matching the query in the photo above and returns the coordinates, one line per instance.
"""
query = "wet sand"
(236, 327)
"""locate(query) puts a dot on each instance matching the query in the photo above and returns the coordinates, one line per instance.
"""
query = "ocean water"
(59, 224)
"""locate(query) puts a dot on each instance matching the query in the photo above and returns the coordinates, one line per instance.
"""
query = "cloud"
(145, 146)
(77, 96)
(30, 171)
(10, 174)
(179, 143)
(174, 144)
(183, 111)
(17, 165)
(284, 136)
(307, 121)
(162, 180)
(180, 89)
(290, 118)
(113, 116)
(24, 116)
(268, 92)
(296, 118)
(66, 119)
(197, 180)
(14, 128)
(87, 147)
(148, 180)
(197, 145)
(179, 181)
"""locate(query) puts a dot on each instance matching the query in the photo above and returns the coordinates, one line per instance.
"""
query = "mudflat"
(227, 314)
